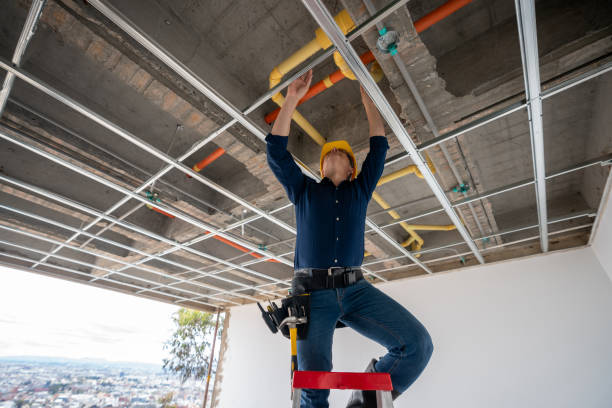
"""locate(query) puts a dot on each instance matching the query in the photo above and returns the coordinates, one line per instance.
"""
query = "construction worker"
(330, 217)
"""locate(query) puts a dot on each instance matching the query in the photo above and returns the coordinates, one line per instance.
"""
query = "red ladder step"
(342, 381)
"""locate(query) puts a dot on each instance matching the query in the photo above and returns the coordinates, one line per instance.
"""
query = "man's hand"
(298, 88)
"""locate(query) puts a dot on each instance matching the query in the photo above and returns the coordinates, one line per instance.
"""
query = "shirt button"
(337, 218)
(335, 260)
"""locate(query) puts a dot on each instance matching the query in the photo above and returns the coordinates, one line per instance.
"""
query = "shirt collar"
(328, 181)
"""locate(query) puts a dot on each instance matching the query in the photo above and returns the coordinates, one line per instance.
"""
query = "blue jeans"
(370, 312)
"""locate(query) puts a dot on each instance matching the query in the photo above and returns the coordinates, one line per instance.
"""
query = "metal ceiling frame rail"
(253, 287)
(195, 222)
(201, 238)
(104, 122)
(518, 241)
(114, 155)
(76, 261)
(561, 87)
(501, 190)
(134, 228)
(76, 272)
(194, 80)
(503, 244)
(28, 78)
(26, 35)
(433, 128)
(179, 280)
(586, 213)
(329, 26)
(183, 71)
(526, 19)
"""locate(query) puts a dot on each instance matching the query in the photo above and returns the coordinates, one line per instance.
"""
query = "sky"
(43, 316)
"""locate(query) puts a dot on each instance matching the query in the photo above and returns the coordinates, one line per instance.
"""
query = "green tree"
(190, 344)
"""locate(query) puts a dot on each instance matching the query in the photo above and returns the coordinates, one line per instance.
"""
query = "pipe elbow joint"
(344, 21)
(275, 77)
(343, 66)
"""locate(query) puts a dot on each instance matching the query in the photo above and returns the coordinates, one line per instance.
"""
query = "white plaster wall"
(602, 243)
(533, 332)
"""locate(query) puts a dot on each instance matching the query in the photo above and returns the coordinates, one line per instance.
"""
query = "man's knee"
(417, 347)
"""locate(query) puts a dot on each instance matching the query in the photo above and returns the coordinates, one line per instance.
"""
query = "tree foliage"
(190, 344)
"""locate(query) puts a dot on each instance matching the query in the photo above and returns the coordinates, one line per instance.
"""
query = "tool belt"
(297, 306)
(310, 279)
(298, 303)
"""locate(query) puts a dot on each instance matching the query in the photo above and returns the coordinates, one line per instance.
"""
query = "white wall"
(602, 244)
(533, 332)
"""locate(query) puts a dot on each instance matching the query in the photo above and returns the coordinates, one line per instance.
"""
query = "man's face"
(337, 162)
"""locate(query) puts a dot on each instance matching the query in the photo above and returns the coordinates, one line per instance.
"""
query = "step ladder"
(323, 380)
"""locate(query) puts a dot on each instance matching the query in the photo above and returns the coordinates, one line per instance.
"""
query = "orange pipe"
(321, 86)
(160, 211)
(440, 13)
(241, 248)
(207, 160)
(420, 25)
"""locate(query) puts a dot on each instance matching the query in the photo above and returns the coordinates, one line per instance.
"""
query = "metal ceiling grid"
(14, 71)
(343, 44)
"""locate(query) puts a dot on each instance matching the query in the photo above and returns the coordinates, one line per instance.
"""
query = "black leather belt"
(309, 279)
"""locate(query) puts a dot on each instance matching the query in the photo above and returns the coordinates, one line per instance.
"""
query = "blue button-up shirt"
(330, 220)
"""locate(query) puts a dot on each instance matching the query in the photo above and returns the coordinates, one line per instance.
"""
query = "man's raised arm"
(374, 163)
(279, 159)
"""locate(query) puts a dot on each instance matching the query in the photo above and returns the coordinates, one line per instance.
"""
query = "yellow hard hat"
(340, 145)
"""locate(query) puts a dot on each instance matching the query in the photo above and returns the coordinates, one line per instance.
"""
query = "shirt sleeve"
(373, 165)
(284, 167)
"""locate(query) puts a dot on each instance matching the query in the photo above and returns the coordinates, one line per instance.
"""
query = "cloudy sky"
(43, 316)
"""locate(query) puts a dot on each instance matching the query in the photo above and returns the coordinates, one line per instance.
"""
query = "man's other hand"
(298, 88)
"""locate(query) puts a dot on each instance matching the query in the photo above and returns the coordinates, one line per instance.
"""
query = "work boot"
(364, 399)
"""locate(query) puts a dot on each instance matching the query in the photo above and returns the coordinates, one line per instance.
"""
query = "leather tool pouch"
(299, 305)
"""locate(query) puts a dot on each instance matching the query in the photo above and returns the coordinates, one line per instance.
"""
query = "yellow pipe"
(397, 174)
(412, 169)
(396, 216)
(293, 61)
(346, 24)
(301, 121)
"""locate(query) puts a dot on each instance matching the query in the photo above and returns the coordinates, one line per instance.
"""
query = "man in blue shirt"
(330, 218)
